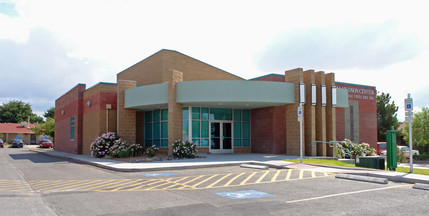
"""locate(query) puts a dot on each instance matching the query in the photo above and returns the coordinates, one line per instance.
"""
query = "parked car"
(46, 144)
(381, 146)
(1, 143)
(403, 148)
(18, 143)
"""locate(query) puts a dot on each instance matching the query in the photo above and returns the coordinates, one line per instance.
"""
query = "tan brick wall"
(292, 125)
(242, 149)
(330, 112)
(309, 114)
(155, 69)
(126, 118)
(175, 114)
(320, 115)
(94, 117)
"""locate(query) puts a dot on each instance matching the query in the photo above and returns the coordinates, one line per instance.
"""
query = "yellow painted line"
(60, 184)
(248, 178)
(176, 182)
(233, 179)
(205, 180)
(275, 176)
(301, 174)
(152, 183)
(87, 187)
(167, 182)
(313, 174)
(196, 178)
(219, 180)
(262, 177)
(289, 172)
(107, 187)
(347, 193)
(136, 182)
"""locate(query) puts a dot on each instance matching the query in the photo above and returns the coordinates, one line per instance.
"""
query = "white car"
(402, 148)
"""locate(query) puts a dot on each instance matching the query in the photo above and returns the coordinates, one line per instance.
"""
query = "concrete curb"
(363, 178)
(141, 169)
(253, 166)
(421, 186)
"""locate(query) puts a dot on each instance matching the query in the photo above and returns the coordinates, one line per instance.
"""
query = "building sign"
(359, 93)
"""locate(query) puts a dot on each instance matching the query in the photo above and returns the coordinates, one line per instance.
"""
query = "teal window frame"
(156, 128)
(72, 128)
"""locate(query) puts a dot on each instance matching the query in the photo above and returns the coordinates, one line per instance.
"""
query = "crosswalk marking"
(207, 181)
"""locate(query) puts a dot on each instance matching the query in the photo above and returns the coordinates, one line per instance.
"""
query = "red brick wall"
(341, 132)
(366, 97)
(268, 130)
(71, 103)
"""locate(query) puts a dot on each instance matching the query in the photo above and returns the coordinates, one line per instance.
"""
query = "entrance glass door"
(221, 137)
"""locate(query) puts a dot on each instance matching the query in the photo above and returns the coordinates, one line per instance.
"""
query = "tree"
(50, 113)
(420, 127)
(17, 111)
(45, 128)
(386, 115)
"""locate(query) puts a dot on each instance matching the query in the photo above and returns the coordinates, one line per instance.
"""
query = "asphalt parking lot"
(35, 184)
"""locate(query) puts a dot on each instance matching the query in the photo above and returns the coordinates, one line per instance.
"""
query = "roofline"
(71, 89)
(100, 83)
(184, 55)
(271, 74)
(355, 84)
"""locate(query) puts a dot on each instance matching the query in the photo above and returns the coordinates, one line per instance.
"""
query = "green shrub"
(135, 150)
(400, 155)
(102, 144)
(152, 151)
(184, 149)
(348, 149)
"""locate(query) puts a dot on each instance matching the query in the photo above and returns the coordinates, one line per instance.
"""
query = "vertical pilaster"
(320, 115)
(174, 109)
(292, 125)
(331, 129)
(126, 117)
(309, 114)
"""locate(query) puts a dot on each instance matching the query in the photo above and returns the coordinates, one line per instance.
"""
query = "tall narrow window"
(72, 128)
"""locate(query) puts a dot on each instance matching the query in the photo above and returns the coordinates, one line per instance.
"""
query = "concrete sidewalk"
(217, 160)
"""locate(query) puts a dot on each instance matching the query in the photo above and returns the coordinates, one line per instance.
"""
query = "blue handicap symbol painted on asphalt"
(247, 194)
(157, 174)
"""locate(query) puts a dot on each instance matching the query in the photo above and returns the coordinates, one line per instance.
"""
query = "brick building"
(170, 96)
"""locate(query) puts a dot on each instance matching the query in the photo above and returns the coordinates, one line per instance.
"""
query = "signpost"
(300, 130)
(409, 119)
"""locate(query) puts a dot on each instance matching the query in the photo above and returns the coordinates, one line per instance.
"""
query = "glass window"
(246, 115)
(185, 112)
(205, 113)
(156, 130)
(237, 129)
(220, 114)
(196, 141)
(237, 115)
(246, 130)
(148, 116)
(195, 113)
(246, 142)
(237, 142)
(195, 129)
(185, 130)
(156, 142)
(204, 142)
(164, 115)
(148, 131)
(164, 143)
(204, 129)
(156, 115)
(164, 129)
(72, 128)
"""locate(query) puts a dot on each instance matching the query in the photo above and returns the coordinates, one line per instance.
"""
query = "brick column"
(331, 130)
(175, 117)
(126, 123)
(309, 114)
(320, 115)
(292, 125)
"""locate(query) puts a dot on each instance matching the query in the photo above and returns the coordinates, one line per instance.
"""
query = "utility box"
(392, 161)
(373, 162)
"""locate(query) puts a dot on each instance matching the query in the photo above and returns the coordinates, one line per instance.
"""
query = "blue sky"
(49, 46)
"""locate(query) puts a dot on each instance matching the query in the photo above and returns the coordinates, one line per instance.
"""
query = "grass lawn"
(344, 164)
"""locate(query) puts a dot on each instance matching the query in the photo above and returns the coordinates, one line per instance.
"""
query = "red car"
(46, 144)
(381, 146)
(1, 143)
